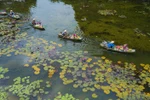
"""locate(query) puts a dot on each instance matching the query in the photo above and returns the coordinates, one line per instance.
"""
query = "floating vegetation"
(94, 95)
(26, 65)
(9, 27)
(25, 89)
(122, 16)
(37, 49)
(138, 32)
(146, 6)
(3, 94)
(3, 71)
(36, 69)
(84, 19)
(50, 73)
(107, 12)
(90, 74)
(87, 73)
(65, 97)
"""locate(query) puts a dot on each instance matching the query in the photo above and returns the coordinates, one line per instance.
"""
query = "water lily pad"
(94, 95)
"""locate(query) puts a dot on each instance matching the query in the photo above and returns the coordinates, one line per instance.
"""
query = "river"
(56, 16)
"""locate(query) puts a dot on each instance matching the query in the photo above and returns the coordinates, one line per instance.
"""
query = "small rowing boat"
(70, 37)
(117, 48)
(3, 13)
(15, 16)
(38, 26)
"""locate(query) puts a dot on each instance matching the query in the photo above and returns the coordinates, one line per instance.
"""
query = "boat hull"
(116, 50)
(3, 13)
(38, 27)
(14, 16)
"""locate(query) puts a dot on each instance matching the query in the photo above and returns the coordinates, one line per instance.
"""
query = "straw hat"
(112, 42)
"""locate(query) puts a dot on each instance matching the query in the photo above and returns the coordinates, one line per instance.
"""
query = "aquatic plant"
(25, 89)
(50, 73)
(3, 94)
(94, 95)
(107, 12)
(9, 28)
(146, 6)
(65, 97)
(87, 73)
(90, 74)
(37, 49)
(3, 71)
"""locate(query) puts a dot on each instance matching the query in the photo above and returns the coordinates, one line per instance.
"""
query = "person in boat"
(39, 23)
(111, 44)
(33, 21)
(74, 36)
(104, 43)
(125, 47)
(64, 33)
(11, 13)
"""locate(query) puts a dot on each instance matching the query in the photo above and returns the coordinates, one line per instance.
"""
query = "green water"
(57, 15)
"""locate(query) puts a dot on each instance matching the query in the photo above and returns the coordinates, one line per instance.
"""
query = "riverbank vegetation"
(121, 21)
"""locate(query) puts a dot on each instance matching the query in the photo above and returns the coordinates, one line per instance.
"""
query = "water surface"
(57, 16)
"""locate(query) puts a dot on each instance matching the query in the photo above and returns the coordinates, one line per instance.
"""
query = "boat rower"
(111, 44)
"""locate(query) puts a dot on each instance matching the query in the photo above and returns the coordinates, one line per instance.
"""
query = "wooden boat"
(117, 48)
(14, 16)
(38, 26)
(3, 13)
(70, 37)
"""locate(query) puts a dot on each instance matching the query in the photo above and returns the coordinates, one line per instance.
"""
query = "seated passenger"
(125, 47)
(11, 12)
(111, 44)
(75, 36)
(33, 21)
(64, 33)
(104, 43)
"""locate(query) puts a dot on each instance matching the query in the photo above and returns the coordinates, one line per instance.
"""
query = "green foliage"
(24, 89)
(8, 29)
(113, 27)
(89, 74)
(64, 97)
(3, 94)
(2, 72)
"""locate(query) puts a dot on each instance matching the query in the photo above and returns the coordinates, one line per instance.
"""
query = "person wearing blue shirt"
(11, 12)
(110, 44)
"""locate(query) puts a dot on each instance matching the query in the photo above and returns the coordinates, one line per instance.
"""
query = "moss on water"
(121, 30)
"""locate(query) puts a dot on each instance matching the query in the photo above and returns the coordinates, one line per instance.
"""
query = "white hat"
(33, 18)
(11, 10)
(65, 30)
(112, 42)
